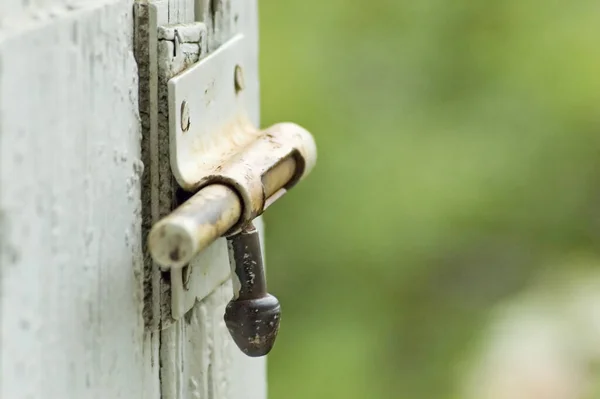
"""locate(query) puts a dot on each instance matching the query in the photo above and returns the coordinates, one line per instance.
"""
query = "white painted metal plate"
(207, 271)
(213, 104)
(214, 107)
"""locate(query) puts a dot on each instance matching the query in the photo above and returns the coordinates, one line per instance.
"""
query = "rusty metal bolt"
(253, 316)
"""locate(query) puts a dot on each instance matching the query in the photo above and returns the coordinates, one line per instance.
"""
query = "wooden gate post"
(83, 175)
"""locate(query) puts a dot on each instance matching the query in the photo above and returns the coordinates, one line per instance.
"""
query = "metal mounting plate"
(216, 109)
(206, 113)
(207, 271)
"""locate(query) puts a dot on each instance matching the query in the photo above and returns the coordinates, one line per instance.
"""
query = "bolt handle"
(252, 316)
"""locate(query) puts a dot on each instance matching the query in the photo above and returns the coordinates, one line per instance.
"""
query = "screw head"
(239, 79)
(185, 116)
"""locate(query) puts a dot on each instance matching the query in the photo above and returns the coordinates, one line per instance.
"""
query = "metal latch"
(234, 171)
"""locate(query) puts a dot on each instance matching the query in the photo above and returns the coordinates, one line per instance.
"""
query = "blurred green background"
(458, 154)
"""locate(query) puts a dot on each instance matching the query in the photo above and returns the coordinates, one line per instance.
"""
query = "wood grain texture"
(70, 210)
(20, 14)
(201, 361)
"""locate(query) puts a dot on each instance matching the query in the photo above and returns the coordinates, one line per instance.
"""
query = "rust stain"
(244, 171)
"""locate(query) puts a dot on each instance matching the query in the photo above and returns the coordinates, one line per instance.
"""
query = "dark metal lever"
(252, 317)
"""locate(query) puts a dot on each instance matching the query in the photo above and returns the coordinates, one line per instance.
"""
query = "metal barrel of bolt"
(224, 205)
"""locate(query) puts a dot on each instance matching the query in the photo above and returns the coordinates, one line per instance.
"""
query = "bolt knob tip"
(254, 323)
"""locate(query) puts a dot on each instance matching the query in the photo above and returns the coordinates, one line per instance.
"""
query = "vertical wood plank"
(70, 211)
(181, 11)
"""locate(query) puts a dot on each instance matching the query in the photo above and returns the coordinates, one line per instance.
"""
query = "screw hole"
(238, 79)
(185, 116)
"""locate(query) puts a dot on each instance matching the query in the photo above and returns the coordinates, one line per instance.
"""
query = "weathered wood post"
(84, 173)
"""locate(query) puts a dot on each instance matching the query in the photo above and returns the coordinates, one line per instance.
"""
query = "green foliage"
(458, 153)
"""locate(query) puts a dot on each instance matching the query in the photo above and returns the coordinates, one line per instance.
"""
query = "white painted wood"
(70, 213)
(181, 11)
(17, 14)
(200, 360)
